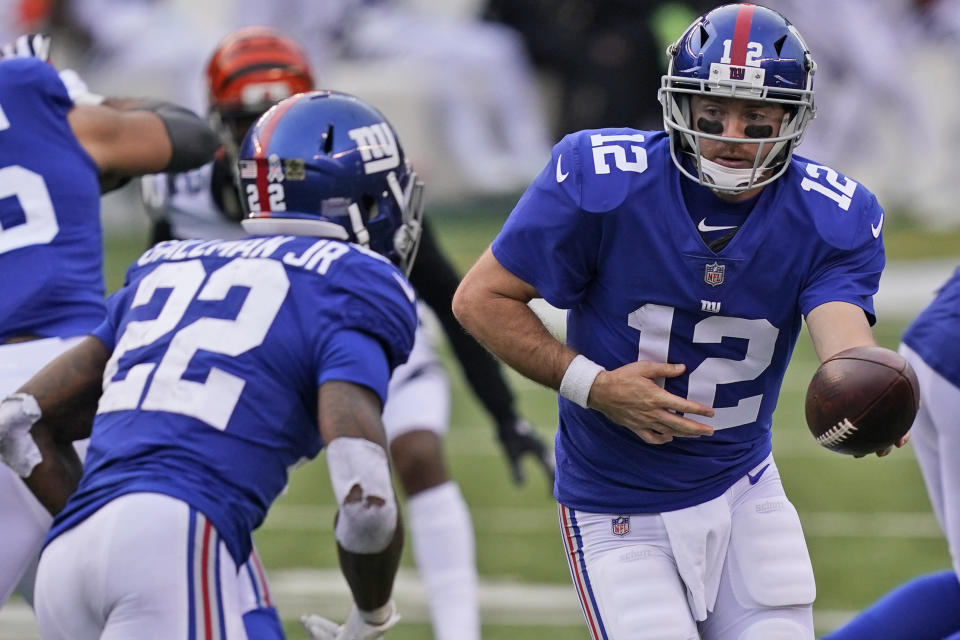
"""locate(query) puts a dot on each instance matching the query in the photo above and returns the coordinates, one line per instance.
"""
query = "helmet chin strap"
(724, 178)
(359, 229)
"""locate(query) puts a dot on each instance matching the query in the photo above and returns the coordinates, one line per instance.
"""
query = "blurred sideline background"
(478, 103)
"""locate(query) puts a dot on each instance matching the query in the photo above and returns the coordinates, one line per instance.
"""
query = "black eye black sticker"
(758, 131)
(710, 126)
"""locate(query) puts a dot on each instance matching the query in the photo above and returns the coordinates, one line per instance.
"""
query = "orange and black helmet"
(252, 69)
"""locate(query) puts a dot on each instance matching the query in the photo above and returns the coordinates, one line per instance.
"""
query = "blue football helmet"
(327, 164)
(738, 51)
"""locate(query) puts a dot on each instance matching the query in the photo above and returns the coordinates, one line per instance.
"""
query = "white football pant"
(935, 436)
(144, 566)
(24, 522)
(733, 568)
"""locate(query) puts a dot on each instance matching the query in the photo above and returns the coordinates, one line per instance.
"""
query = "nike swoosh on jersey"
(876, 229)
(703, 227)
(561, 176)
(755, 478)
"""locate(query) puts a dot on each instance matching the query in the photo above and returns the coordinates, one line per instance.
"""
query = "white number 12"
(655, 324)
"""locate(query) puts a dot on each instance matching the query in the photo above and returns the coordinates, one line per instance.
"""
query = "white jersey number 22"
(214, 400)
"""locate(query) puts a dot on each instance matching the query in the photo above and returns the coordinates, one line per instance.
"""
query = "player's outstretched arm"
(126, 136)
(491, 303)
(838, 326)
(368, 528)
(39, 423)
(130, 137)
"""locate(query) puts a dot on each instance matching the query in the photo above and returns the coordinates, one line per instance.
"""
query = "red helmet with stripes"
(741, 51)
(252, 69)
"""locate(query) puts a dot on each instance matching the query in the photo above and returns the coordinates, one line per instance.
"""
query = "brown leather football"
(862, 400)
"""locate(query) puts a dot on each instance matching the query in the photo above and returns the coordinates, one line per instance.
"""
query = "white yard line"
(491, 521)
(325, 592)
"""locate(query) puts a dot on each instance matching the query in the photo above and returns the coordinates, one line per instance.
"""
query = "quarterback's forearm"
(837, 326)
(491, 303)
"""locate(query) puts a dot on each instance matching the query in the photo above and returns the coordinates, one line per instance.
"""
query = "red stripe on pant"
(579, 581)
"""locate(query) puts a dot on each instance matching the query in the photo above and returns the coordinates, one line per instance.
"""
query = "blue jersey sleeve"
(850, 271)
(106, 331)
(36, 78)
(357, 357)
(371, 296)
(551, 240)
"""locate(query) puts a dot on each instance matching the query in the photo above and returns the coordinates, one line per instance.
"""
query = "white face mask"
(721, 178)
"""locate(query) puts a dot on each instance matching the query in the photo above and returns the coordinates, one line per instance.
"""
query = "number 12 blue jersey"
(604, 232)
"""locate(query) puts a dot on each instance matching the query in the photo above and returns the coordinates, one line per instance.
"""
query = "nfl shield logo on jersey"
(621, 525)
(713, 274)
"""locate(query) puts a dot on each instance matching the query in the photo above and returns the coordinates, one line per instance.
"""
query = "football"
(862, 400)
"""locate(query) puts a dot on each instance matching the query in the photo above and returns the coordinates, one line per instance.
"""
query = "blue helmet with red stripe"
(741, 51)
(327, 164)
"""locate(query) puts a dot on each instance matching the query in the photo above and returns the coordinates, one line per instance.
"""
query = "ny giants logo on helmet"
(377, 146)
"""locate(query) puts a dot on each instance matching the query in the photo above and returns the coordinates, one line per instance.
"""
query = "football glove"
(28, 45)
(518, 439)
(18, 451)
(355, 628)
(37, 45)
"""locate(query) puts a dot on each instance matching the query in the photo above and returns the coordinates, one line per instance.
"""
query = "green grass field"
(868, 522)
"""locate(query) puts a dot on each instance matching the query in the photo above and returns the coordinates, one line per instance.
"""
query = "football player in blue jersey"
(932, 346)
(220, 365)
(687, 260)
(251, 69)
(60, 147)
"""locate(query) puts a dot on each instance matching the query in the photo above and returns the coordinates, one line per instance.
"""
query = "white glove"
(355, 628)
(77, 89)
(28, 45)
(18, 412)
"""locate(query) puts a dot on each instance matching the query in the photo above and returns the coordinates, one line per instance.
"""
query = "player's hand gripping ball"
(862, 400)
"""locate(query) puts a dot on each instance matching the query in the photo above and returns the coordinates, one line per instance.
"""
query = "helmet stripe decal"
(262, 142)
(741, 35)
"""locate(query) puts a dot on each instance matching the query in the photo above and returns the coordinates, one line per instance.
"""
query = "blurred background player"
(249, 71)
(219, 366)
(676, 254)
(932, 345)
(468, 82)
(60, 147)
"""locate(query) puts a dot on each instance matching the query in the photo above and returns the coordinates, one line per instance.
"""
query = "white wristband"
(578, 379)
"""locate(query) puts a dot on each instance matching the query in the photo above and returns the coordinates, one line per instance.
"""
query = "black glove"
(518, 439)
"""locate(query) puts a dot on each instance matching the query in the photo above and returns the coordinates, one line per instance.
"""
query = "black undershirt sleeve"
(436, 280)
